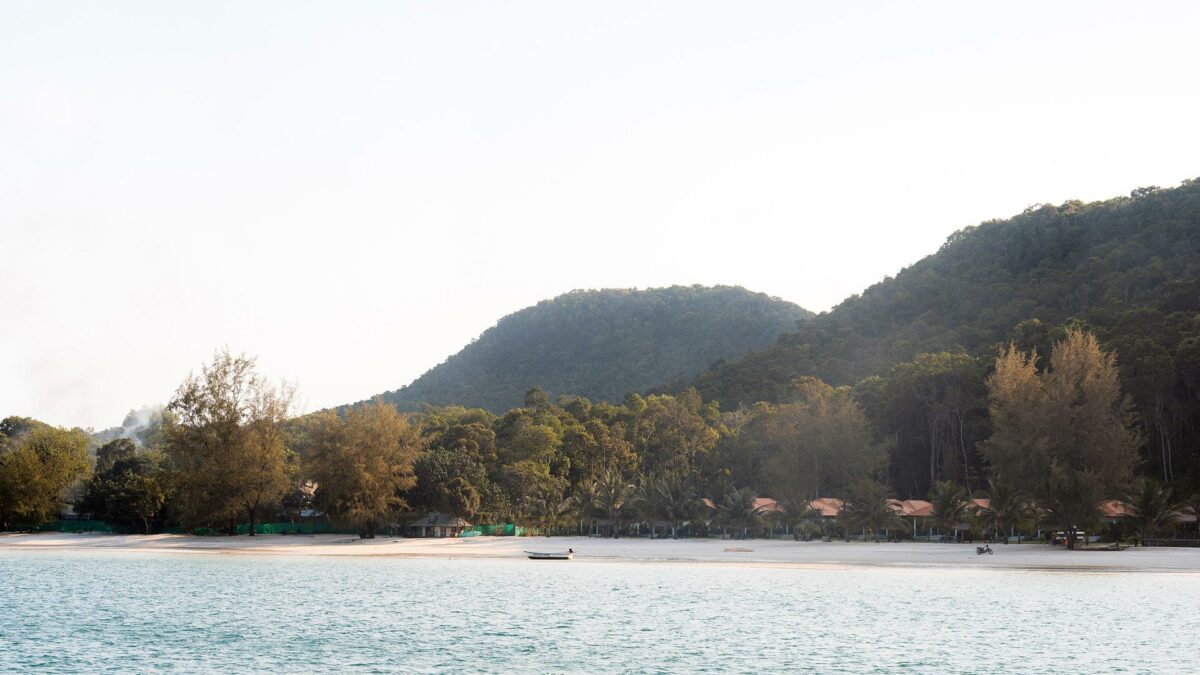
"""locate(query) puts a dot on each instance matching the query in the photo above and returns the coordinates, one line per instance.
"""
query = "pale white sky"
(354, 190)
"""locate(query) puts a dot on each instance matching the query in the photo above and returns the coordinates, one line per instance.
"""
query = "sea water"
(162, 612)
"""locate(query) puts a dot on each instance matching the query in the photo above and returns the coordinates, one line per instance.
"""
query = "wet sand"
(589, 549)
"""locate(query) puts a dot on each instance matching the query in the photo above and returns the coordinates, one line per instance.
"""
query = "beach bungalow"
(1117, 515)
(436, 524)
(920, 513)
(827, 510)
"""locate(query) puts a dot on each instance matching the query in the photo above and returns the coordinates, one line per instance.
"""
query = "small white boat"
(555, 555)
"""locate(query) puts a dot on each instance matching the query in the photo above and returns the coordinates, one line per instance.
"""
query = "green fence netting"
(313, 527)
(506, 530)
(317, 527)
(74, 526)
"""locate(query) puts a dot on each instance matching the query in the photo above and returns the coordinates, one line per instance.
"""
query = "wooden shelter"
(437, 524)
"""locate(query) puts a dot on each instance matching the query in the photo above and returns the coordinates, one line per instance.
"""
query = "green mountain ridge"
(603, 344)
(1126, 267)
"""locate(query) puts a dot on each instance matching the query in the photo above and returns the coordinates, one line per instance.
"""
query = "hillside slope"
(1121, 267)
(603, 345)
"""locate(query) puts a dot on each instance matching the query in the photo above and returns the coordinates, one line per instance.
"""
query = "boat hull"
(533, 555)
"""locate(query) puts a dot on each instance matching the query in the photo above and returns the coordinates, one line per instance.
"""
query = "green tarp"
(74, 526)
(506, 530)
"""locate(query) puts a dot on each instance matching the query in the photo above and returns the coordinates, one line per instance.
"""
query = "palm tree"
(1192, 504)
(794, 511)
(583, 502)
(549, 510)
(868, 508)
(737, 509)
(613, 496)
(670, 497)
(645, 501)
(950, 506)
(1152, 508)
(1007, 509)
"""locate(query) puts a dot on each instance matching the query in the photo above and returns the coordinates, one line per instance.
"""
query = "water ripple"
(148, 612)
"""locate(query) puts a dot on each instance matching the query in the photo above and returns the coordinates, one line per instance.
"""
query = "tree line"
(1045, 437)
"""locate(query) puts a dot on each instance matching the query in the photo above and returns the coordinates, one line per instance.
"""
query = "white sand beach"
(682, 551)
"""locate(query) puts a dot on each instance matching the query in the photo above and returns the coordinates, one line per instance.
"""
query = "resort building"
(436, 524)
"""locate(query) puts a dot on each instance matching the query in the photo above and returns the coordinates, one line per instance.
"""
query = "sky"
(352, 191)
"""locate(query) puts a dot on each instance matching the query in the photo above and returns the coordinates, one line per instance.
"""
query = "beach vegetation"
(362, 463)
(1066, 432)
(668, 498)
(1007, 510)
(226, 442)
(38, 463)
(614, 500)
(951, 507)
(1152, 508)
(796, 515)
(739, 511)
(128, 487)
(1190, 505)
(817, 444)
(868, 508)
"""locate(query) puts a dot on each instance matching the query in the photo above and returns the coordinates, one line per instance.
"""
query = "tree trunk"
(932, 450)
(250, 510)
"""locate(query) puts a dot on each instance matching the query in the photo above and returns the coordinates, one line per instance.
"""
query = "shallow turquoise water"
(146, 612)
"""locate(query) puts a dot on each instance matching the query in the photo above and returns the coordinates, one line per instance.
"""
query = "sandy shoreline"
(696, 551)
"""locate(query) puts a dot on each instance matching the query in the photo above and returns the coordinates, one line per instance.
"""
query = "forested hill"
(1127, 268)
(603, 345)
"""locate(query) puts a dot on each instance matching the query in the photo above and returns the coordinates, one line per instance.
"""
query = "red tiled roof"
(766, 504)
(917, 508)
(831, 507)
(828, 507)
(1115, 508)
